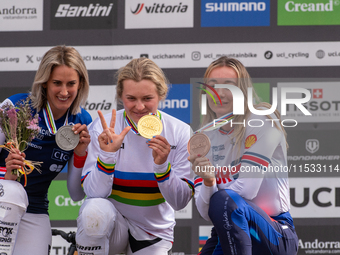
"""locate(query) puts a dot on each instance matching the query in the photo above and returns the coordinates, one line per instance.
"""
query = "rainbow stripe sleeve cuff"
(161, 177)
(191, 186)
(104, 167)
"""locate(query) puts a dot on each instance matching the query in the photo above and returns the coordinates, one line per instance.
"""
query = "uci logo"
(60, 155)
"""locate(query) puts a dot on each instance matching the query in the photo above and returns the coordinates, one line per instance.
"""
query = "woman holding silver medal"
(60, 87)
(137, 172)
(234, 188)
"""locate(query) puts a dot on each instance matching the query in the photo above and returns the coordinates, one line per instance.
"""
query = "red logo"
(317, 93)
(138, 9)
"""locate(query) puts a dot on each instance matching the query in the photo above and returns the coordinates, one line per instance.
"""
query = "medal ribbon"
(217, 123)
(49, 120)
(132, 124)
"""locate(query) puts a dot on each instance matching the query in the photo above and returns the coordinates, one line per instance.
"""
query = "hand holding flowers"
(20, 127)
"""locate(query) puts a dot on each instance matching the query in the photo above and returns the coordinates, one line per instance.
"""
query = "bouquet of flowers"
(20, 128)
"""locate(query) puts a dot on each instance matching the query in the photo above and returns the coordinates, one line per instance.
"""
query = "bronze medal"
(199, 144)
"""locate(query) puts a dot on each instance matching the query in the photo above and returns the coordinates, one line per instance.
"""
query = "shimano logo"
(235, 7)
(174, 104)
(66, 10)
(291, 6)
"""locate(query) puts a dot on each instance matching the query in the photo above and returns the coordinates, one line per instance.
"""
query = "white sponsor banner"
(60, 245)
(101, 97)
(18, 15)
(159, 14)
(324, 104)
(185, 213)
(204, 233)
(196, 55)
(315, 197)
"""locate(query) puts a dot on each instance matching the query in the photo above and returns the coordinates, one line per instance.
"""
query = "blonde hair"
(243, 82)
(142, 69)
(59, 56)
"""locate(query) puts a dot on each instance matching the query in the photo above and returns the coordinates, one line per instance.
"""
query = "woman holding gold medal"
(137, 173)
(235, 186)
(60, 87)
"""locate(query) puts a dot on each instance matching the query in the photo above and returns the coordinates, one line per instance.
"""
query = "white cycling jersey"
(146, 194)
(257, 171)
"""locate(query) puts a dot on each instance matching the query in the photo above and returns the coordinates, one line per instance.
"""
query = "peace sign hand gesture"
(108, 140)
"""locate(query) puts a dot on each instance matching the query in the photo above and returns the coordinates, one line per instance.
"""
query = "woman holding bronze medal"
(236, 187)
(137, 172)
(60, 87)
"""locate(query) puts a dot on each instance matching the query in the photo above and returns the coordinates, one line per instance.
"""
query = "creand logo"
(292, 6)
(159, 8)
(238, 101)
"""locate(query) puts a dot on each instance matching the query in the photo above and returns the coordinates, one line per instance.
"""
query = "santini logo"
(235, 7)
(66, 10)
(160, 8)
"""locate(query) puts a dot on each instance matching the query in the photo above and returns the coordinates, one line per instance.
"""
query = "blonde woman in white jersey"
(133, 184)
(246, 201)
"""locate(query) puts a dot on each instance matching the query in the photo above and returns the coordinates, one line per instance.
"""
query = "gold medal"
(149, 125)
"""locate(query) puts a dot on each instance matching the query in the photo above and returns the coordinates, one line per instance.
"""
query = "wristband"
(78, 161)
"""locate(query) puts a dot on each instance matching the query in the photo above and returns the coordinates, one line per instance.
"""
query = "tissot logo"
(317, 93)
(83, 14)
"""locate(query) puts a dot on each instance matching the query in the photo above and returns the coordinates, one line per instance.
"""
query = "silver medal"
(66, 139)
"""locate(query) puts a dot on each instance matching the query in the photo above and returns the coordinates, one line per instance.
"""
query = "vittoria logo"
(159, 14)
(312, 145)
(160, 8)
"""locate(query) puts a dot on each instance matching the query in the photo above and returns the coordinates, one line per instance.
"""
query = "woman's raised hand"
(108, 140)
